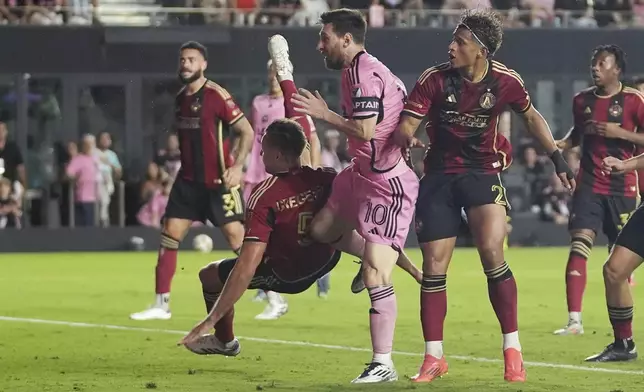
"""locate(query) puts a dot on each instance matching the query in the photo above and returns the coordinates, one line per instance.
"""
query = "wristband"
(561, 166)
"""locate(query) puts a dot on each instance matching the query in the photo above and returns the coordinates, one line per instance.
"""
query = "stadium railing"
(157, 15)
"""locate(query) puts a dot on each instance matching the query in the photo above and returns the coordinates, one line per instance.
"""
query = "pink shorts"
(379, 206)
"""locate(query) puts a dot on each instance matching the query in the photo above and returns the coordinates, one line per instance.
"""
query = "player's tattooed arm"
(244, 142)
(316, 107)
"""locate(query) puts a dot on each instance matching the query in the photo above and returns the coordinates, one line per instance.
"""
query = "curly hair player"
(462, 100)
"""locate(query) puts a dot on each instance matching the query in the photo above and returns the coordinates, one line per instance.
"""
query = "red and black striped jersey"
(203, 122)
(463, 117)
(625, 108)
(279, 212)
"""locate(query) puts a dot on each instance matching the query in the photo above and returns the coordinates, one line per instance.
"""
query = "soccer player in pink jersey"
(376, 194)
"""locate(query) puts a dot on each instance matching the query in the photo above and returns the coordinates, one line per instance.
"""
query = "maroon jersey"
(462, 117)
(625, 108)
(203, 122)
(280, 210)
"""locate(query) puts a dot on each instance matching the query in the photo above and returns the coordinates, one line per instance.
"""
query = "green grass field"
(320, 345)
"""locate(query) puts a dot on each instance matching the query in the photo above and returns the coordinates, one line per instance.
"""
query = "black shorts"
(631, 235)
(193, 201)
(594, 212)
(268, 278)
(442, 196)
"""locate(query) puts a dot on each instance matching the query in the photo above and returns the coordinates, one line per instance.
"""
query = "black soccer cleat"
(357, 284)
(619, 351)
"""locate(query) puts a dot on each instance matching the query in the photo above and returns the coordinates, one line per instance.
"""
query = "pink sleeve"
(72, 167)
(366, 95)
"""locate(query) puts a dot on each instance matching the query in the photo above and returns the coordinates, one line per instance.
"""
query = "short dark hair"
(287, 136)
(196, 46)
(487, 27)
(345, 21)
(620, 55)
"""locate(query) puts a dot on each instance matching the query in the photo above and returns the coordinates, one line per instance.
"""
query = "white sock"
(434, 348)
(274, 298)
(384, 359)
(575, 317)
(511, 340)
(162, 301)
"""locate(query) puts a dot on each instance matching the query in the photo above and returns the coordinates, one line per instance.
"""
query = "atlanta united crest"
(487, 100)
(195, 106)
(615, 110)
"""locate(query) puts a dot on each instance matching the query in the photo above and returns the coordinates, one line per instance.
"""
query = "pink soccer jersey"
(383, 188)
(266, 109)
(370, 89)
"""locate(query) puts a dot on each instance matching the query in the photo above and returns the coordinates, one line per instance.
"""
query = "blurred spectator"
(609, 12)
(536, 173)
(638, 12)
(12, 165)
(83, 170)
(81, 13)
(9, 209)
(572, 157)
(308, 12)
(329, 154)
(376, 14)
(542, 12)
(110, 170)
(44, 12)
(553, 202)
(152, 182)
(152, 211)
(169, 159)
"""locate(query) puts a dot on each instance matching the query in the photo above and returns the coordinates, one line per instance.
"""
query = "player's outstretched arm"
(539, 129)
(316, 107)
(244, 132)
(316, 159)
(237, 282)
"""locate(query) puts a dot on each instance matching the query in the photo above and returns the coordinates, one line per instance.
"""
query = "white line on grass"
(317, 345)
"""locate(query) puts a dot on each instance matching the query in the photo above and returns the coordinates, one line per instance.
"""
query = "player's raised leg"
(174, 229)
(488, 224)
(223, 341)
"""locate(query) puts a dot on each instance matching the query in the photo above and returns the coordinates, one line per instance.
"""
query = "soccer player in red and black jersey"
(462, 100)
(626, 256)
(277, 254)
(607, 117)
(207, 186)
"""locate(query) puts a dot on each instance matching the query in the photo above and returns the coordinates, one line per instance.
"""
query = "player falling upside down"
(265, 109)
(277, 254)
(376, 193)
(462, 100)
(207, 185)
(607, 117)
(625, 257)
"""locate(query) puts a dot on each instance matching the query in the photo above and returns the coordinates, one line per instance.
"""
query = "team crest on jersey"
(195, 106)
(615, 110)
(487, 100)
(587, 110)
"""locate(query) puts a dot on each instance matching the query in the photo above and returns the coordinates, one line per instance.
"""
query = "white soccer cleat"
(573, 328)
(210, 345)
(278, 49)
(153, 313)
(273, 311)
(376, 372)
(260, 296)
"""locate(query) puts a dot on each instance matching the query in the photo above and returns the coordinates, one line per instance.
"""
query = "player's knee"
(174, 229)
(209, 275)
(614, 273)
(376, 276)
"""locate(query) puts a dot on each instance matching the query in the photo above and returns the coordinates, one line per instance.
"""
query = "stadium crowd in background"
(518, 13)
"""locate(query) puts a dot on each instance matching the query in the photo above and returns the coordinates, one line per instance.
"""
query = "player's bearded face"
(187, 76)
(330, 45)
